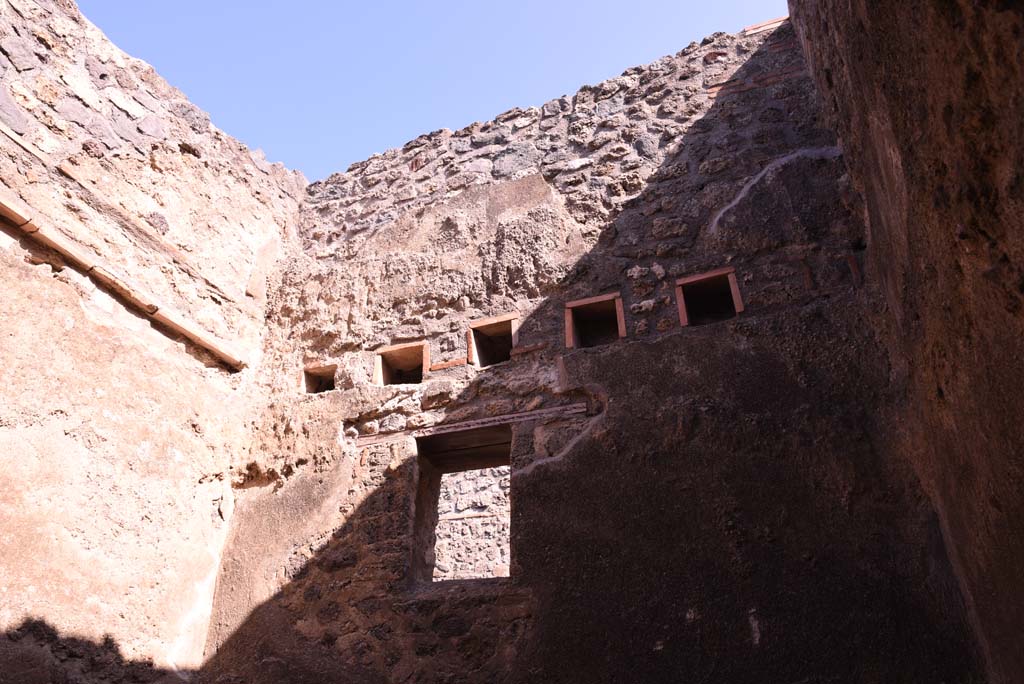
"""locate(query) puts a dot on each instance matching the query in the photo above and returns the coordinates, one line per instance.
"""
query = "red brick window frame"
(605, 305)
(397, 362)
(502, 326)
(729, 273)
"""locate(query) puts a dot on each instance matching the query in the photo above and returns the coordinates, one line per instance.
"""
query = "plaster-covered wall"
(117, 435)
(927, 99)
(702, 502)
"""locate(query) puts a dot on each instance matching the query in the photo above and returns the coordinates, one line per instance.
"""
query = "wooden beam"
(620, 316)
(509, 418)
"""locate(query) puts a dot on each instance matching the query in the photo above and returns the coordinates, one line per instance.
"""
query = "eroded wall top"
(598, 147)
(121, 163)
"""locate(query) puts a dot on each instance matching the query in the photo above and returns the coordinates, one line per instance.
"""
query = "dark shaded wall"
(723, 508)
(725, 512)
(928, 100)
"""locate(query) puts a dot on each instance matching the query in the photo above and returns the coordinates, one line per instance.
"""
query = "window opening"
(462, 528)
(401, 364)
(491, 340)
(594, 321)
(319, 379)
(708, 297)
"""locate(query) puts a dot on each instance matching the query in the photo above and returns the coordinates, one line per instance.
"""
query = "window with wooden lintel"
(708, 297)
(401, 364)
(462, 518)
(594, 321)
(319, 378)
(490, 340)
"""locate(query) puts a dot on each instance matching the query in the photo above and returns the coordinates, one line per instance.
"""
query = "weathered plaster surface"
(927, 99)
(709, 503)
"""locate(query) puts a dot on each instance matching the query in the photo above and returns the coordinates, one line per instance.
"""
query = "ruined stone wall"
(703, 502)
(473, 527)
(706, 502)
(926, 97)
(116, 432)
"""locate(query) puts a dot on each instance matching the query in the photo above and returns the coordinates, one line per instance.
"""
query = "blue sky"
(319, 84)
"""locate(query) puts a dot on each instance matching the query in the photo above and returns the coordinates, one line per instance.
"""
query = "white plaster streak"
(183, 650)
(807, 153)
(186, 653)
(755, 626)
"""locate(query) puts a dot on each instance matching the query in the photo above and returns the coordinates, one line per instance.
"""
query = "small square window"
(708, 297)
(401, 364)
(462, 521)
(594, 321)
(491, 340)
(319, 379)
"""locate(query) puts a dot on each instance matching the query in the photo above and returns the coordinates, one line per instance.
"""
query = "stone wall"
(473, 525)
(118, 434)
(701, 502)
(705, 502)
(122, 165)
(926, 97)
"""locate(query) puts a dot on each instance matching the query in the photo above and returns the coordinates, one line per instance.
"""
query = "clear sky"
(319, 84)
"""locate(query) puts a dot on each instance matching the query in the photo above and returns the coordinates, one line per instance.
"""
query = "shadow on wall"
(359, 584)
(726, 518)
(34, 653)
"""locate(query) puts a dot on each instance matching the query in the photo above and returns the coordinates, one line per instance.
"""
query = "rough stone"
(13, 115)
(20, 52)
(927, 98)
(729, 500)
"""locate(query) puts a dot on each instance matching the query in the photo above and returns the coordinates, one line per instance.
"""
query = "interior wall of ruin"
(711, 502)
(926, 98)
(707, 501)
(118, 434)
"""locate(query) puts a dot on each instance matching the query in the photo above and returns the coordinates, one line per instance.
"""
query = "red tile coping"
(448, 364)
(519, 351)
(772, 79)
(593, 300)
(730, 88)
(400, 346)
(734, 86)
(782, 45)
(110, 281)
(764, 26)
(491, 320)
(703, 276)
